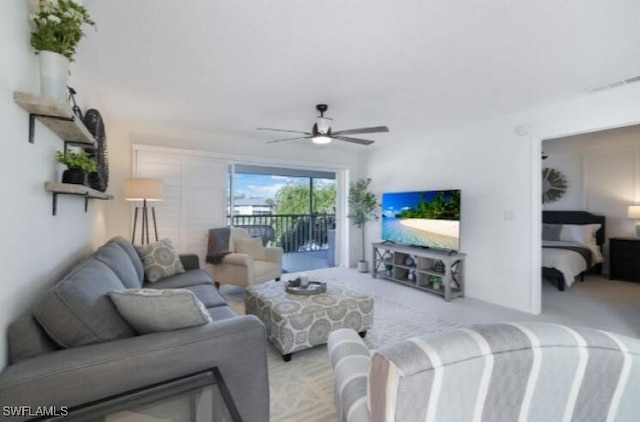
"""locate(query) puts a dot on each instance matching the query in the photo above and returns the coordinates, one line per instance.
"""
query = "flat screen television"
(422, 218)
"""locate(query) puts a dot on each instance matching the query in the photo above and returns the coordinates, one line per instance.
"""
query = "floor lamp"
(145, 190)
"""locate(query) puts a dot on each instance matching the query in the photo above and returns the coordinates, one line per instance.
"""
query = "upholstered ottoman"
(297, 322)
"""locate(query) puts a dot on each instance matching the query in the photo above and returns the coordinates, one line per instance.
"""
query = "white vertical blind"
(194, 196)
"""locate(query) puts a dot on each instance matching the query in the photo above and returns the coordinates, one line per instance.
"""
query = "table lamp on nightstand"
(633, 212)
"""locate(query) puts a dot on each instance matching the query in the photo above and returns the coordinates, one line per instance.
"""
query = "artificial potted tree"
(79, 164)
(363, 205)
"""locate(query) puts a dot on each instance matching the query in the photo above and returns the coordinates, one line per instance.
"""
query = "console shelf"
(55, 114)
(77, 190)
(420, 267)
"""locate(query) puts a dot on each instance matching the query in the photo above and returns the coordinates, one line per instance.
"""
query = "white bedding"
(569, 263)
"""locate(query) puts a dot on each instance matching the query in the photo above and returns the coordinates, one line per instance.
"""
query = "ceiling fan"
(321, 132)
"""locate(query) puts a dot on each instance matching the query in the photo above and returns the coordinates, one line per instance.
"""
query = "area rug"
(302, 389)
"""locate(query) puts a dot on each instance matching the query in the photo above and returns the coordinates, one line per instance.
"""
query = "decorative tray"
(314, 287)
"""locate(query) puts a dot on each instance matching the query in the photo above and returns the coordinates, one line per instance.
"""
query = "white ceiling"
(231, 66)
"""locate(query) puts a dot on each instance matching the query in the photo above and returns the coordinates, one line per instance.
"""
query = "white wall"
(499, 174)
(122, 135)
(37, 247)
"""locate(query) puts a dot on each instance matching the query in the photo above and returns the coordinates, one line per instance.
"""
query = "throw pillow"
(160, 260)
(551, 231)
(251, 246)
(153, 310)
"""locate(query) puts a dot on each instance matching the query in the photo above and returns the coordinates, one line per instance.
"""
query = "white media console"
(433, 270)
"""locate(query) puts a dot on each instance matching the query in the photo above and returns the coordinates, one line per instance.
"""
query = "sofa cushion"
(251, 246)
(160, 260)
(28, 339)
(154, 310)
(115, 257)
(221, 312)
(207, 293)
(133, 254)
(186, 279)
(77, 310)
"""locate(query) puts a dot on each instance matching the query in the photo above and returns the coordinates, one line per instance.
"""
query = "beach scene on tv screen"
(427, 218)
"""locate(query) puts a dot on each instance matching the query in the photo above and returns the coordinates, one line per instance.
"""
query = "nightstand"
(624, 258)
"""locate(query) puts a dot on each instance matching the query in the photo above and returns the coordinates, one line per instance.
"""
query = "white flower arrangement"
(57, 26)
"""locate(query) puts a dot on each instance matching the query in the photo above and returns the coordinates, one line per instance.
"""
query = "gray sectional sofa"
(74, 347)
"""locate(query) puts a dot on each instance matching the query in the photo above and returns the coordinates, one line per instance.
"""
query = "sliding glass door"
(296, 207)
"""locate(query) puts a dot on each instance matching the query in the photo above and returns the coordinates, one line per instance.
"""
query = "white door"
(194, 196)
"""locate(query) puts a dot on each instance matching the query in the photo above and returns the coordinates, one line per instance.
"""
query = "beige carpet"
(302, 389)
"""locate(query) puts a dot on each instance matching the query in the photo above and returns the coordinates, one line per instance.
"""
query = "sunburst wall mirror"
(554, 185)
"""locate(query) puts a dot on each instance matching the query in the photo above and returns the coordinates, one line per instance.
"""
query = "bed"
(571, 255)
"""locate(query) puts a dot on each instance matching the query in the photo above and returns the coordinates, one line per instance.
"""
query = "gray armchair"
(241, 269)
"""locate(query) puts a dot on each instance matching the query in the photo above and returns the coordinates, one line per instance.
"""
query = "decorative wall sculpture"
(554, 185)
(100, 179)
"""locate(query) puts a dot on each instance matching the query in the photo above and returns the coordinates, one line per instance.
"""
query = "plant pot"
(74, 176)
(363, 266)
(54, 74)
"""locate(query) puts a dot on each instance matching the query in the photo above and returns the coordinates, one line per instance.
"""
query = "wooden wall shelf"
(77, 190)
(55, 114)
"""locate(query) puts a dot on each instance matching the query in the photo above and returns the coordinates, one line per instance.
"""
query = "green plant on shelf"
(77, 161)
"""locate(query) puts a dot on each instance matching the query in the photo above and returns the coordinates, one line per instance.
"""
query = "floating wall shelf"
(77, 190)
(57, 115)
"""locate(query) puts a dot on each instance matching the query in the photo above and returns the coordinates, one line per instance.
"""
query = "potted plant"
(79, 164)
(362, 208)
(56, 32)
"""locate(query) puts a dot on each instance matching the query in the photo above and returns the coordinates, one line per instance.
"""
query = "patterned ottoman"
(298, 322)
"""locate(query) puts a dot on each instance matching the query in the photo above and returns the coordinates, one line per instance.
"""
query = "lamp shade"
(633, 212)
(141, 189)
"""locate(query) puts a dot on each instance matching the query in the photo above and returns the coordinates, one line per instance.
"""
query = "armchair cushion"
(160, 260)
(251, 246)
(153, 310)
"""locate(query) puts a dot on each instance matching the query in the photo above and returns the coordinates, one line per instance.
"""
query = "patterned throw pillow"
(160, 260)
(154, 310)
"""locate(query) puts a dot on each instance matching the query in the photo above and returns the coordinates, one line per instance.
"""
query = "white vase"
(54, 74)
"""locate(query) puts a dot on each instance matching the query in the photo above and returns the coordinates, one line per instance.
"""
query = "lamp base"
(638, 230)
(144, 235)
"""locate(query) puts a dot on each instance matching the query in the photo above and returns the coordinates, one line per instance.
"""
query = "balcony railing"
(292, 232)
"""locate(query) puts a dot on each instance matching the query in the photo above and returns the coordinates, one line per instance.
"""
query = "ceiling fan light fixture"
(321, 139)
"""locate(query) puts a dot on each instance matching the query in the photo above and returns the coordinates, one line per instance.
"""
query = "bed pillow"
(551, 231)
(154, 310)
(581, 233)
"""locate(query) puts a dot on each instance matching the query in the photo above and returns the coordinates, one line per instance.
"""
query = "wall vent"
(614, 84)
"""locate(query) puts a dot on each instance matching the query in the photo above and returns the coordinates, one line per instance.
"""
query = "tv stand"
(436, 271)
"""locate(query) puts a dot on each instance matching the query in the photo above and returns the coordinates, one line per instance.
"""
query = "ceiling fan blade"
(353, 140)
(377, 129)
(289, 139)
(283, 130)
